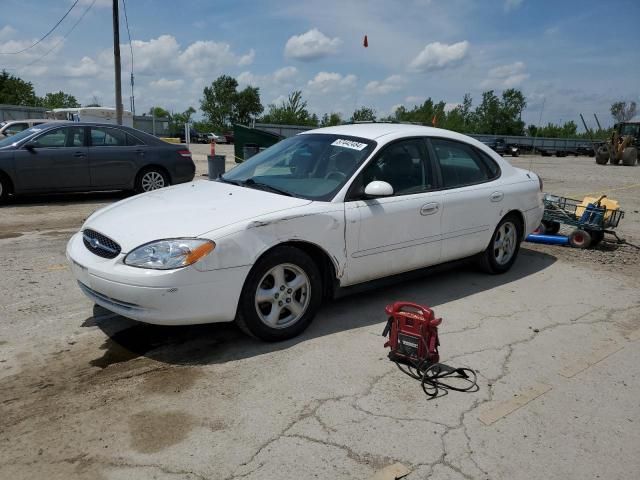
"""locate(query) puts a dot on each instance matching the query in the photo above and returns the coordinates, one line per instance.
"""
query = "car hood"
(187, 210)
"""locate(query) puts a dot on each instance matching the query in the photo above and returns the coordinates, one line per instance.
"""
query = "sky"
(568, 57)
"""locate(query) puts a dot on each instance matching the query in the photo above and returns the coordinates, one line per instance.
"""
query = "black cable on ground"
(436, 379)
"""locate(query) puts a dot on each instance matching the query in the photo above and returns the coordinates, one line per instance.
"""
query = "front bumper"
(165, 297)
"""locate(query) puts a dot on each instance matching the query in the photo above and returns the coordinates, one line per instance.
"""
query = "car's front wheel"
(503, 249)
(280, 296)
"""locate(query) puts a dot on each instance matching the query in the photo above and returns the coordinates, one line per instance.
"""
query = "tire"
(629, 156)
(151, 178)
(602, 156)
(300, 281)
(493, 259)
(596, 236)
(580, 239)
(614, 160)
(551, 227)
(4, 189)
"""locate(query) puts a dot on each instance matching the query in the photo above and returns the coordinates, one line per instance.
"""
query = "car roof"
(386, 132)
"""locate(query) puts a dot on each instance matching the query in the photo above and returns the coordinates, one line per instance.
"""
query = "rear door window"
(460, 164)
(107, 137)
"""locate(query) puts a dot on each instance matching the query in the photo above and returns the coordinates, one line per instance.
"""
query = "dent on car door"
(389, 235)
(472, 200)
(56, 159)
(112, 158)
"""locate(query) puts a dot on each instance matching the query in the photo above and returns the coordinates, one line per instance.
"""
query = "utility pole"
(116, 61)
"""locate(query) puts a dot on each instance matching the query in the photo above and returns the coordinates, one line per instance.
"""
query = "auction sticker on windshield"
(341, 142)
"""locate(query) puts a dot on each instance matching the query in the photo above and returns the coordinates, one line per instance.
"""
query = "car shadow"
(223, 342)
(36, 200)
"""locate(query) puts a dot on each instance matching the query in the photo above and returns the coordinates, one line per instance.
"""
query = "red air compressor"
(413, 333)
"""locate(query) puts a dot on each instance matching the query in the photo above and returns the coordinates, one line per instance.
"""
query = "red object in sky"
(366, 42)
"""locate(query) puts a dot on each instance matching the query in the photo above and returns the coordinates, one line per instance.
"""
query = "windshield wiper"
(263, 186)
(239, 183)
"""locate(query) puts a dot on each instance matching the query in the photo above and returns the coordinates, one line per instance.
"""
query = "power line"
(126, 21)
(63, 38)
(45, 35)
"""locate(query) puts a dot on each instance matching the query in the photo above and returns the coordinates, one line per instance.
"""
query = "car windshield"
(13, 139)
(313, 166)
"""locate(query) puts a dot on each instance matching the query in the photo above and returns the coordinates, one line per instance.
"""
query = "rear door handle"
(429, 208)
(140, 152)
(496, 196)
(79, 154)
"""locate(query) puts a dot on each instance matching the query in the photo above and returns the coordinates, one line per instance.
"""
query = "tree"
(223, 105)
(217, 103)
(512, 105)
(364, 114)
(59, 100)
(330, 120)
(159, 112)
(292, 111)
(15, 91)
(623, 112)
(247, 105)
(177, 120)
(487, 114)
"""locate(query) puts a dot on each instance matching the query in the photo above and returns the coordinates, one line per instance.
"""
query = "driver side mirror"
(378, 188)
(30, 146)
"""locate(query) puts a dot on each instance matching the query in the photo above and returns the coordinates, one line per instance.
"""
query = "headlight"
(169, 254)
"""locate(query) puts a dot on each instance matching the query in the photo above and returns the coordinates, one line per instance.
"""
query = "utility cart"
(590, 217)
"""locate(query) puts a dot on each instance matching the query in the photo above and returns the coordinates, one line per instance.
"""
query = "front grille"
(99, 244)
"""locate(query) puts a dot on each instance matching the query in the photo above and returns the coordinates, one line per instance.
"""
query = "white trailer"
(90, 114)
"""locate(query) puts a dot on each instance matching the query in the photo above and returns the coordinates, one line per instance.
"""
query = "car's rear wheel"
(151, 179)
(504, 246)
(4, 189)
(280, 296)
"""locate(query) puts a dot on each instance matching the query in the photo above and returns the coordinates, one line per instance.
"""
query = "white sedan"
(326, 209)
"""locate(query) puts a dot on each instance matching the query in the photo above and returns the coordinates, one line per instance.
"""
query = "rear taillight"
(184, 153)
(540, 183)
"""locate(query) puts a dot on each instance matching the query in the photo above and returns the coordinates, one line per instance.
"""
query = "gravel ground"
(87, 394)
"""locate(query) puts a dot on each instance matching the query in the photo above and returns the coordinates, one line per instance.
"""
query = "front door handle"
(140, 152)
(496, 196)
(429, 208)
(80, 154)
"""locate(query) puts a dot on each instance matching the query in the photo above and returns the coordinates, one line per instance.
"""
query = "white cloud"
(437, 56)
(414, 99)
(311, 45)
(6, 32)
(247, 59)
(388, 85)
(327, 82)
(506, 76)
(285, 74)
(86, 68)
(166, 84)
(512, 4)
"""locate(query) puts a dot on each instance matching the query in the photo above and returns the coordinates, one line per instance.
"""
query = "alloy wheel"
(504, 244)
(152, 181)
(282, 296)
